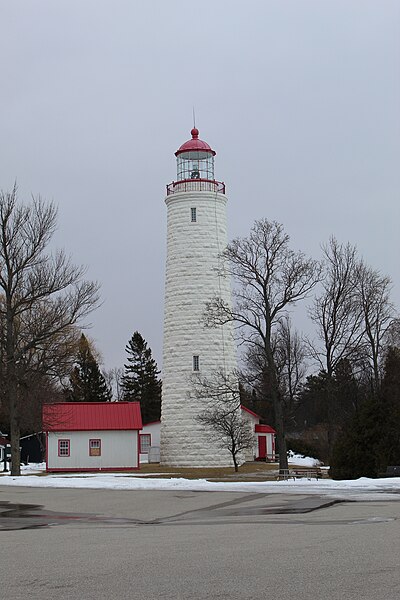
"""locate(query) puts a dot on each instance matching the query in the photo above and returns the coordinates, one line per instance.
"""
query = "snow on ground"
(360, 489)
(302, 461)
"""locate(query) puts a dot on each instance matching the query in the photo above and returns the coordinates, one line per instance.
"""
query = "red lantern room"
(195, 159)
(195, 167)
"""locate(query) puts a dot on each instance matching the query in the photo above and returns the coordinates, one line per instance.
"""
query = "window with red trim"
(145, 442)
(95, 447)
(63, 447)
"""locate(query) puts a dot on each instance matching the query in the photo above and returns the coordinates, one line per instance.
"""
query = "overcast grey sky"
(300, 99)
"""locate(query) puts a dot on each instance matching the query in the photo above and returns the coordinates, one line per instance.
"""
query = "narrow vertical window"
(196, 363)
(193, 215)
(144, 442)
(63, 448)
(94, 447)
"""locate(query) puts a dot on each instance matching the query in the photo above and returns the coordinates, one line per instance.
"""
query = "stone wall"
(191, 280)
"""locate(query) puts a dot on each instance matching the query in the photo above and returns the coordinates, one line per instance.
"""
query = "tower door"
(262, 446)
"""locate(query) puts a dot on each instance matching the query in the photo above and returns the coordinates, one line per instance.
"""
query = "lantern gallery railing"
(195, 185)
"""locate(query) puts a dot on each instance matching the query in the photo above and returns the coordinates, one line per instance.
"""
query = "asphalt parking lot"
(94, 544)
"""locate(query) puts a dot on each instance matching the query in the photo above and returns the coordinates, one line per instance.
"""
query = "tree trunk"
(12, 389)
(14, 421)
(280, 432)
(375, 362)
(332, 414)
(235, 463)
(279, 421)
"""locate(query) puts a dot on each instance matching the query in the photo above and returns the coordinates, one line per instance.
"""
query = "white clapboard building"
(92, 436)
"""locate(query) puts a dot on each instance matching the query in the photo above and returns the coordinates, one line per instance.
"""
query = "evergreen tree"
(87, 383)
(388, 443)
(326, 404)
(372, 440)
(140, 381)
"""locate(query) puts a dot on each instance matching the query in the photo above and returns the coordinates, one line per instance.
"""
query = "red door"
(262, 446)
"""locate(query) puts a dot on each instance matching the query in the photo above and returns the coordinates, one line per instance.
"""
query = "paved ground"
(101, 544)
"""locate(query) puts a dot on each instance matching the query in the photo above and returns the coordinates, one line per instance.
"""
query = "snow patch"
(360, 489)
(302, 461)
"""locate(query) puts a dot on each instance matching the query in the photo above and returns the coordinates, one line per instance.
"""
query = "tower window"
(193, 215)
(196, 363)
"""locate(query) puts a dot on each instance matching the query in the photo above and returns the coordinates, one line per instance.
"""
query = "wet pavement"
(32, 516)
(79, 544)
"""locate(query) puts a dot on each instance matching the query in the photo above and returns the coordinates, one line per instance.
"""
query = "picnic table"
(300, 472)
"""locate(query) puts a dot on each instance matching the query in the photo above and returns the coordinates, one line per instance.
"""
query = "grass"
(258, 471)
(250, 471)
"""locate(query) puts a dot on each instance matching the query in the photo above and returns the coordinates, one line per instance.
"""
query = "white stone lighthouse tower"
(196, 235)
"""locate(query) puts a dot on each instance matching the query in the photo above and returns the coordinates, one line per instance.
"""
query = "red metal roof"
(264, 429)
(195, 144)
(250, 411)
(87, 416)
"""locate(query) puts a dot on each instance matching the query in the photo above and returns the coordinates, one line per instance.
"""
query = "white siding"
(269, 445)
(154, 430)
(119, 449)
(251, 453)
(191, 281)
(270, 437)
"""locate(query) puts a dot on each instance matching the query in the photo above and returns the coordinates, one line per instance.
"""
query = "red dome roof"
(195, 145)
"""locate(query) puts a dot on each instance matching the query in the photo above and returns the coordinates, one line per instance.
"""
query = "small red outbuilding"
(265, 442)
(92, 436)
(264, 438)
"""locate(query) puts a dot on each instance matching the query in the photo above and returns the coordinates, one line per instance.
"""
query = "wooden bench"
(284, 475)
(308, 472)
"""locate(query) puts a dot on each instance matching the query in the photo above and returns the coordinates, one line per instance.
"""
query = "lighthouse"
(196, 236)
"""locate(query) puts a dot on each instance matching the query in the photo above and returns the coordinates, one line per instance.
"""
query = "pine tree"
(140, 381)
(389, 448)
(87, 384)
(372, 439)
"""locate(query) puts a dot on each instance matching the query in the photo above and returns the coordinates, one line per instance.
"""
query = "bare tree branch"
(336, 311)
(270, 278)
(42, 296)
(378, 313)
(222, 415)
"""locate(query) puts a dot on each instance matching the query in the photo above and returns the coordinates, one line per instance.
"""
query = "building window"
(196, 363)
(63, 447)
(145, 443)
(193, 215)
(94, 447)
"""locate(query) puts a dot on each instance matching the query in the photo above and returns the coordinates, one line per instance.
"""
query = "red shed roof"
(250, 411)
(195, 145)
(87, 416)
(264, 429)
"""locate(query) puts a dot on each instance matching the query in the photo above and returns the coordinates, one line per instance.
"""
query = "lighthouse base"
(192, 447)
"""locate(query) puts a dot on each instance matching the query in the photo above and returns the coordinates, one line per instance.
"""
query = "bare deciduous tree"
(113, 379)
(42, 295)
(290, 354)
(290, 358)
(353, 313)
(270, 278)
(336, 311)
(378, 312)
(392, 336)
(222, 416)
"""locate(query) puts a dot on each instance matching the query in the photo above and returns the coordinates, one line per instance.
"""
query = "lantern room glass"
(195, 164)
